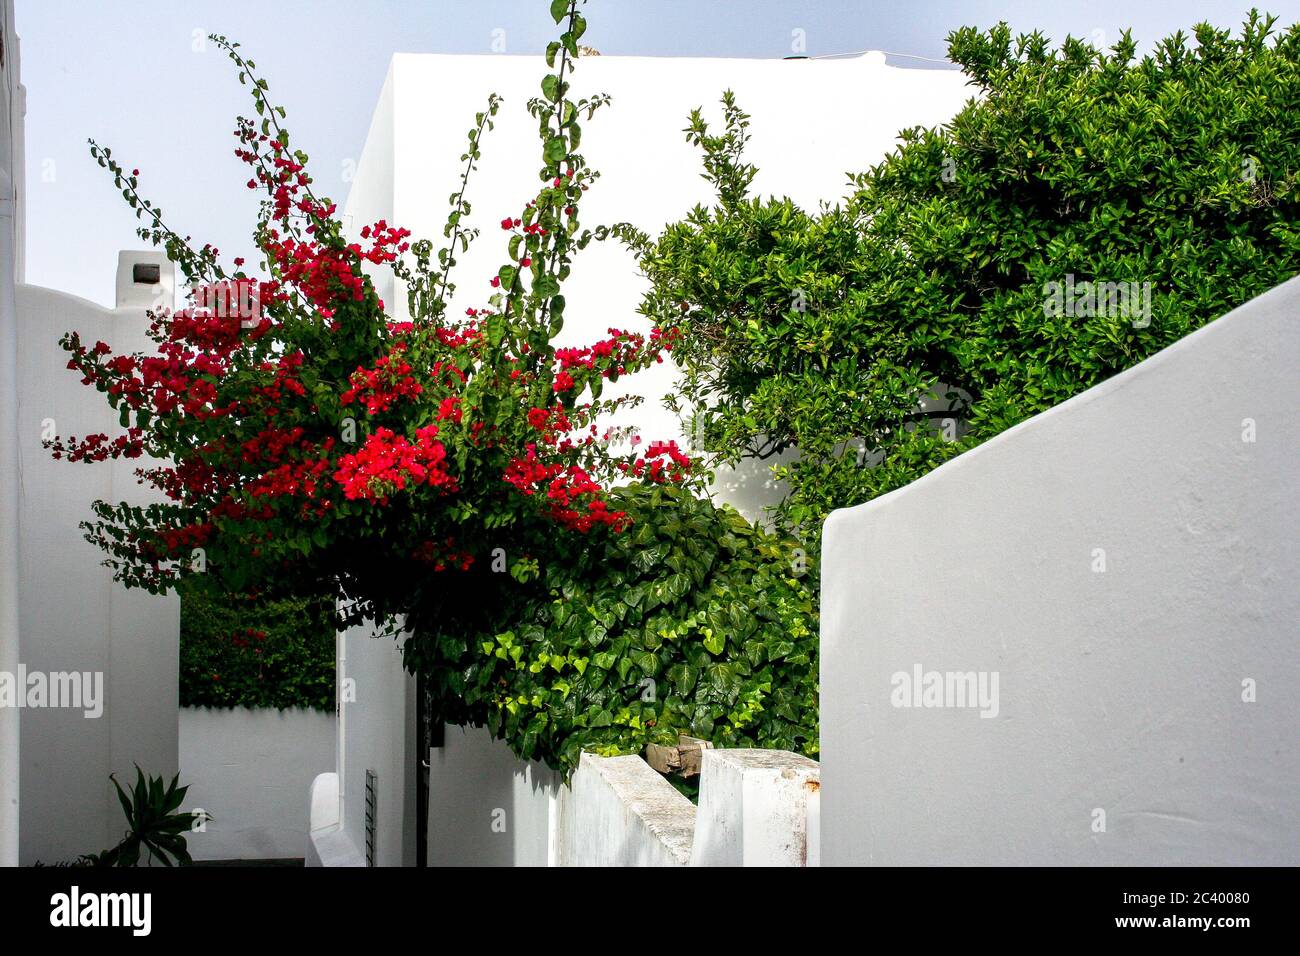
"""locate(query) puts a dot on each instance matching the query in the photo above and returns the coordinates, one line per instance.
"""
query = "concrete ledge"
(327, 842)
(620, 812)
(754, 808)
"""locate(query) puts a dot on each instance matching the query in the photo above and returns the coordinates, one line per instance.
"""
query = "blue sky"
(137, 76)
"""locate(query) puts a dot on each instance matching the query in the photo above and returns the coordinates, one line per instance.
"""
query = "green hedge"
(242, 652)
(1177, 172)
(694, 621)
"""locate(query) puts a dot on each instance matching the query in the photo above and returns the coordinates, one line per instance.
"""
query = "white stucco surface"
(814, 121)
(12, 106)
(1120, 691)
(487, 807)
(376, 731)
(249, 768)
(617, 811)
(753, 808)
(72, 616)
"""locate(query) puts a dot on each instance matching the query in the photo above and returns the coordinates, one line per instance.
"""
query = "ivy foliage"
(861, 333)
(693, 622)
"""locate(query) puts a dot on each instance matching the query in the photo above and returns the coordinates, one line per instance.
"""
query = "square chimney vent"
(146, 279)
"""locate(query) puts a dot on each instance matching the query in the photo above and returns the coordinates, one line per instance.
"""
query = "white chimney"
(146, 279)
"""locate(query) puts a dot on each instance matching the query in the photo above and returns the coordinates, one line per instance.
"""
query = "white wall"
(487, 807)
(1119, 690)
(813, 120)
(376, 732)
(72, 616)
(11, 254)
(249, 769)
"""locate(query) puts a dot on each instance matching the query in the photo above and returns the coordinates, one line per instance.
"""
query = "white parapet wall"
(72, 617)
(620, 812)
(249, 768)
(754, 808)
(1077, 643)
(488, 808)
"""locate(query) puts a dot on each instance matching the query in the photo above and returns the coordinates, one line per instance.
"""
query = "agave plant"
(154, 825)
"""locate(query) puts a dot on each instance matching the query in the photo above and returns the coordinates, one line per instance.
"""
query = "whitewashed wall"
(813, 122)
(72, 616)
(487, 808)
(375, 731)
(11, 255)
(1124, 691)
(249, 768)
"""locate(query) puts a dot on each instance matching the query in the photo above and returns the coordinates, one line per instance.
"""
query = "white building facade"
(813, 121)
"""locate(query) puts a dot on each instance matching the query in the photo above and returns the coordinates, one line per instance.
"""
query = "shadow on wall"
(509, 803)
(749, 486)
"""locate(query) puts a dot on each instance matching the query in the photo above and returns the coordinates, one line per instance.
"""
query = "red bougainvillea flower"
(388, 462)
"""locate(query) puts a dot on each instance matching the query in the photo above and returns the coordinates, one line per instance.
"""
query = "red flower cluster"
(241, 639)
(443, 558)
(652, 467)
(573, 497)
(99, 447)
(387, 462)
(380, 387)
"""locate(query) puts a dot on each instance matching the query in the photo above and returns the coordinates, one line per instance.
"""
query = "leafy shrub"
(927, 294)
(451, 469)
(692, 622)
(239, 651)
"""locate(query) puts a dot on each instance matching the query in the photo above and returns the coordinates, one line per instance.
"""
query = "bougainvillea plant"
(448, 470)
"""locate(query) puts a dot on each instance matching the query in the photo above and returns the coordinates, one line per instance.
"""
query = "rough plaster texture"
(1120, 691)
(620, 812)
(753, 808)
(72, 616)
(488, 808)
(249, 768)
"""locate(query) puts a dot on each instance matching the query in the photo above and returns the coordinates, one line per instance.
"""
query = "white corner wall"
(812, 121)
(376, 731)
(249, 769)
(1125, 732)
(487, 807)
(11, 270)
(72, 616)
